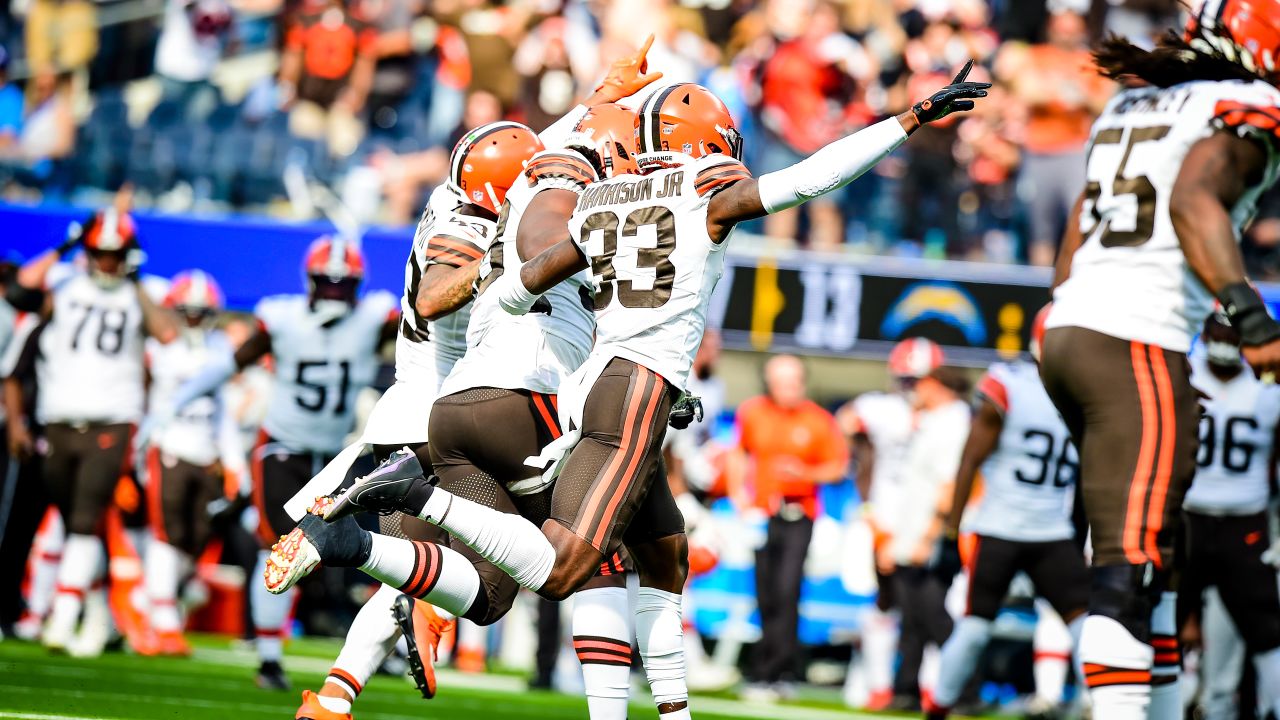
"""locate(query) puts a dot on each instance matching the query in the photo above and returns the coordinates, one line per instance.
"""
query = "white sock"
(1267, 665)
(371, 638)
(930, 663)
(1051, 646)
(660, 635)
(81, 557)
(960, 656)
(880, 649)
(1166, 697)
(1110, 652)
(270, 613)
(46, 557)
(514, 544)
(342, 706)
(427, 571)
(163, 565)
(602, 640)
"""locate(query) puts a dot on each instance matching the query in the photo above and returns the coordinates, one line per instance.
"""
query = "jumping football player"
(496, 411)
(1175, 167)
(325, 348)
(88, 359)
(654, 243)
(1023, 522)
(191, 464)
(1225, 510)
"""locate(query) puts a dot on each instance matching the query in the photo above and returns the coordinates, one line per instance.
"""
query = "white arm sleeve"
(220, 368)
(512, 295)
(832, 167)
(553, 137)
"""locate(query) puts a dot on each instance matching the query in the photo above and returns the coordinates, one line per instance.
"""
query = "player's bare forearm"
(552, 266)
(444, 289)
(33, 272)
(1215, 174)
(545, 222)
(864, 463)
(1071, 241)
(160, 323)
(984, 434)
(254, 349)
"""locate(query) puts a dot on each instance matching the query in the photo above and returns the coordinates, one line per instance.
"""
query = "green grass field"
(217, 684)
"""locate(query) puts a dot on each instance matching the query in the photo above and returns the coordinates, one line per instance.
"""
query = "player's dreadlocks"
(1174, 60)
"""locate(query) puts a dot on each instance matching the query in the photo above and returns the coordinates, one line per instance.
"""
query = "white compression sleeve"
(832, 167)
(554, 136)
(512, 295)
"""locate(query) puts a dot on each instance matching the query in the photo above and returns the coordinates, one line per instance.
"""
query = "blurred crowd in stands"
(216, 105)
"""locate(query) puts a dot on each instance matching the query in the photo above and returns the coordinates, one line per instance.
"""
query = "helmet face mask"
(1244, 32)
(196, 297)
(334, 269)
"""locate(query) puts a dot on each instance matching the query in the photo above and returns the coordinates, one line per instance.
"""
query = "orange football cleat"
(312, 709)
(422, 628)
(172, 643)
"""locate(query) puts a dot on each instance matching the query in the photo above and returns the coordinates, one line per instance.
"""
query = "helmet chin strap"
(493, 196)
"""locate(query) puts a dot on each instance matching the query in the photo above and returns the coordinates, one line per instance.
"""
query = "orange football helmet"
(684, 118)
(110, 231)
(914, 358)
(334, 268)
(1246, 32)
(487, 161)
(607, 132)
(194, 292)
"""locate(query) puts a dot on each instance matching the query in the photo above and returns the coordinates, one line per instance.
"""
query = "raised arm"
(160, 323)
(837, 164)
(1216, 173)
(626, 77)
(444, 289)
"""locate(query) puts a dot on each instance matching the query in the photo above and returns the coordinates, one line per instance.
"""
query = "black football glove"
(1248, 314)
(685, 410)
(946, 563)
(956, 97)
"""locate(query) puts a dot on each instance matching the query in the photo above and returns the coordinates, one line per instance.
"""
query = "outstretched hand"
(956, 97)
(627, 76)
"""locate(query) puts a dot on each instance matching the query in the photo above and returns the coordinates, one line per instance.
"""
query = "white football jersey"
(194, 433)
(653, 264)
(426, 350)
(1237, 431)
(1129, 278)
(535, 351)
(90, 366)
(888, 421)
(1029, 479)
(320, 368)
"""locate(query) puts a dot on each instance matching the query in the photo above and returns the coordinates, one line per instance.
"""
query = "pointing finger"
(964, 72)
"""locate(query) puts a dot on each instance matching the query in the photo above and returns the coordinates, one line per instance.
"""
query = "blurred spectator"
(396, 68)
(1142, 20)
(547, 89)
(1063, 92)
(792, 445)
(62, 34)
(325, 74)
(191, 42)
(929, 468)
(693, 461)
(48, 134)
(811, 77)
(10, 109)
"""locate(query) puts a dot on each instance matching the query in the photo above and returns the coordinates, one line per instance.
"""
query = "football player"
(1175, 167)
(1225, 510)
(879, 425)
(497, 410)
(325, 348)
(1022, 524)
(88, 362)
(191, 464)
(654, 243)
(456, 230)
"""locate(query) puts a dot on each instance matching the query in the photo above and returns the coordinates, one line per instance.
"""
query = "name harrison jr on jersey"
(629, 189)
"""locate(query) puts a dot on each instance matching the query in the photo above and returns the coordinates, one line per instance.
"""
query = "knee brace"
(1126, 594)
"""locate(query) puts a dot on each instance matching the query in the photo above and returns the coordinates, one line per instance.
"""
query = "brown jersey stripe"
(730, 165)
(450, 257)
(457, 244)
(567, 166)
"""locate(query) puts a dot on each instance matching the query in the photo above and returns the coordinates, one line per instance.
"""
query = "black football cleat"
(397, 485)
(271, 676)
